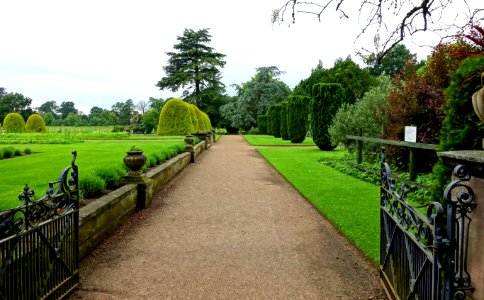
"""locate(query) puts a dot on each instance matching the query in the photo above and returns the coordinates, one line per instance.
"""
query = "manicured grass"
(269, 140)
(350, 204)
(47, 161)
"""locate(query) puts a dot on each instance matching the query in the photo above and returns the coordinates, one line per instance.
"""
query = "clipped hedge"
(175, 118)
(284, 127)
(35, 123)
(297, 117)
(275, 115)
(327, 98)
(193, 115)
(262, 124)
(14, 122)
(206, 122)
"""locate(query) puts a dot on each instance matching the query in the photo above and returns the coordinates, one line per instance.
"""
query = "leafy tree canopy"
(255, 97)
(193, 67)
(15, 102)
(49, 106)
(354, 79)
(67, 107)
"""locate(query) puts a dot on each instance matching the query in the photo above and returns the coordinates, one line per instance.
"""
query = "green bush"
(297, 118)
(35, 123)
(262, 124)
(200, 119)
(175, 118)
(91, 186)
(111, 176)
(275, 115)
(14, 122)
(284, 126)
(8, 152)
(462, 128)
(327, 99)
(206, 120)
(193, 115)
(27, 151)
(17, 152)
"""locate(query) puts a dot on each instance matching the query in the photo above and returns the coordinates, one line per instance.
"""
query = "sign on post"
(411, 134)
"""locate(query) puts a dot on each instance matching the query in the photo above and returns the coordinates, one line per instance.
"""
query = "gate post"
(465, 224)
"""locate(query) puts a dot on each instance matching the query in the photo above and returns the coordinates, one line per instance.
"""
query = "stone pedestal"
(142, 182)
(474, 162)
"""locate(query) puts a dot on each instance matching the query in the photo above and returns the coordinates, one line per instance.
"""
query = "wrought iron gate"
(423, 250)
(39, 253)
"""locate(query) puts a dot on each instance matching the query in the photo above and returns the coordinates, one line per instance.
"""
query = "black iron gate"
(39, 253)
(423, 250)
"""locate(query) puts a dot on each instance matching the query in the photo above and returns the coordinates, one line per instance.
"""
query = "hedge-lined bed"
(48, 160)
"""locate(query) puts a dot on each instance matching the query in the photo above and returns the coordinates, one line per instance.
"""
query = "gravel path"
(228, 227)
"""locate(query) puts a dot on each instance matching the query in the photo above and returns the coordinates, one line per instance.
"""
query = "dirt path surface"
(227, 227)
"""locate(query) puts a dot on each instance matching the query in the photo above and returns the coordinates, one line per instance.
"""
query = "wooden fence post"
(412, 165)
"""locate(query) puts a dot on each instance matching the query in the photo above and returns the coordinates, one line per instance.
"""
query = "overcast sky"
(96, 53)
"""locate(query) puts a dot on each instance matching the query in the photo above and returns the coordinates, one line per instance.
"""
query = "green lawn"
(350, 204)
(47, 161)
(269, 140)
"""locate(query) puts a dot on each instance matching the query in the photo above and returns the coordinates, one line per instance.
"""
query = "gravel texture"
(228, 227)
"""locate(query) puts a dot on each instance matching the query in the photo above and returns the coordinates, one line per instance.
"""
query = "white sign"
(411, 134)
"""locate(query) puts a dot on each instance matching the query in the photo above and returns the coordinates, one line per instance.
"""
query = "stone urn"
(478, 103)
(189, 139)
(134, 160)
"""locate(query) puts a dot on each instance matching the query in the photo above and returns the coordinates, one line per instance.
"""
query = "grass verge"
(269, 140)
(352, 205)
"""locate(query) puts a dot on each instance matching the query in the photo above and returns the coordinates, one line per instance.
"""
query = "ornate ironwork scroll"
(410, 242)
(61, 196)
(459, 198)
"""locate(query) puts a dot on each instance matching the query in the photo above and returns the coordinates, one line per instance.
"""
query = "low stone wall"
(98, 219)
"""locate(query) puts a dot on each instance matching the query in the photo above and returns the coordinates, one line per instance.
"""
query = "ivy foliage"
(297, 117)
(14, 122)
(327, 99)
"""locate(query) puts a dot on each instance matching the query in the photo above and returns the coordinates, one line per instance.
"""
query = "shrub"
(207, 123)
(17, 152)
(200, 119)
(462, 129)
(275, 113)
(111, 175)
(193, 115)
(91, 186)
(8, 152)
(297, 118)
(175, 118)
(262, 124)
(327, 98)
(14, 122)
(284, 129)
(35, 123)
(27, 151)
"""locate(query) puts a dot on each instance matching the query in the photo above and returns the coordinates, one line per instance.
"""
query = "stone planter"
(134, 160)
(189, 139)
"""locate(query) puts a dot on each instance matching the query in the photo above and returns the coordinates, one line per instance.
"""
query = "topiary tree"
(193, 115)
(327, 98)
(206, 121)
(14, 122)
(297, 117)
(262, 124)
(283, 115)
(276, 119)
(270, 120)
(175, 118)
(35, 123)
